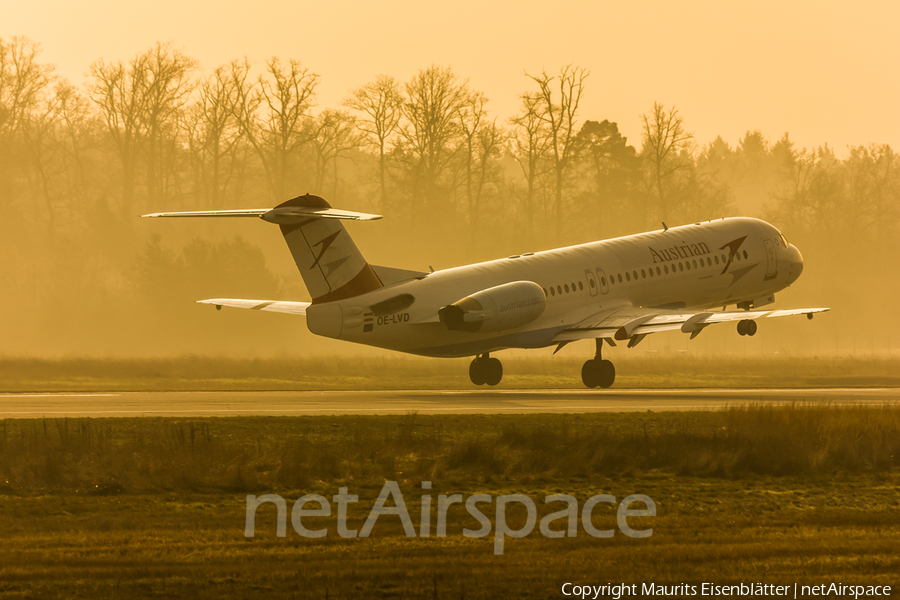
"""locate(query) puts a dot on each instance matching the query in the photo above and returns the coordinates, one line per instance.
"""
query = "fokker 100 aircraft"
(617, 290)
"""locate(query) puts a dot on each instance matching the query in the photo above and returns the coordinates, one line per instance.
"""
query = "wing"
(294, 308)
(634, 324)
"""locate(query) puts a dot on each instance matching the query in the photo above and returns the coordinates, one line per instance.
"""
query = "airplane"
(615, 290)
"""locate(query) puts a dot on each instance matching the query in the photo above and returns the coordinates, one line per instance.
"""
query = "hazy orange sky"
(824, 71)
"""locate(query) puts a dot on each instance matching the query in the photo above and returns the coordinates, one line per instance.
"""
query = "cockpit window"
(783, 240)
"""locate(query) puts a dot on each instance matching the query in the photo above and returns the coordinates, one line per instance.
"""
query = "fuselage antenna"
(665, 227)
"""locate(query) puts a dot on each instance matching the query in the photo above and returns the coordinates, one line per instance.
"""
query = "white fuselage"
(710, 264)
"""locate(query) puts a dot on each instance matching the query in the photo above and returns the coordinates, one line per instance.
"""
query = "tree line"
(156, 132)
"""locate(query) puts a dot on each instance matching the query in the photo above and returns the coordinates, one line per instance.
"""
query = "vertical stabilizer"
(329, 262)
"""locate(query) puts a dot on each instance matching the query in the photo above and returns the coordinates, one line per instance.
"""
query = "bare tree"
(560, 117)
(431, 135)
(482, 139)
(22, 82)
(334, 135)
(382, 103)
(141, 103)
(39, 134)
(168, 86)
(77, 121)
(214, 133)
(530, 145)
(664, 138)
(872, 200)
(117, 89)
(272, 115)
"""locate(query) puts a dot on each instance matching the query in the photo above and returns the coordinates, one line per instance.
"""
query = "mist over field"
(457, 182)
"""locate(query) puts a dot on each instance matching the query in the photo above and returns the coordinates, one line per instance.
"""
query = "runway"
(385, 402)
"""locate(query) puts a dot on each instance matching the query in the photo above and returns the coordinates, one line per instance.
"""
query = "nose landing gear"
(485, 370)
(746, 327)
(598, 372)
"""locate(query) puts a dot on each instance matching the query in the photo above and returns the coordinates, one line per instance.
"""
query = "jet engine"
(498, 308)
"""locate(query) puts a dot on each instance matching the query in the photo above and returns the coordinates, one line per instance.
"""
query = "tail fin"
(331, 265)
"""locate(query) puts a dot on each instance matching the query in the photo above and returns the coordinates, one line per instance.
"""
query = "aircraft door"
(771, 260)
(604, 284)
(592, 281)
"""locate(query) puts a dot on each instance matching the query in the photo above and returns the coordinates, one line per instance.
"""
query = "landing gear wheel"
(493, 371)
(477, 372)
(607, 374)
(598, 373)
(590, 373)
(747, 327)
(485, 370)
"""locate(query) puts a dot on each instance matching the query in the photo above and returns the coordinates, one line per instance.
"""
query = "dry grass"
(259, 453)
(188, 545)
(155, 507)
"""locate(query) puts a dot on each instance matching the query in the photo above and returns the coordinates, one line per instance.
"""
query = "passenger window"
(592, 283)
(627, 276)
(580, 286)
(651, 272)
(688, 265)
(658, 272)
(635, 275)
(643, 274)
(745, 254)
(559, 290)
(717, 260)
(695, 263)
(666, 267)
(545, 292)
(619, 276)
(603, 281)
(552, 292)
(680, 267)
(567, 288)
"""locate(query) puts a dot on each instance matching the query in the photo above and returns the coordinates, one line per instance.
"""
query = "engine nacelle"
(498, 308)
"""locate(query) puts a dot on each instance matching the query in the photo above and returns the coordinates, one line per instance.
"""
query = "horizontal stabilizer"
(293, 308)
(283, 215)
(247, 212)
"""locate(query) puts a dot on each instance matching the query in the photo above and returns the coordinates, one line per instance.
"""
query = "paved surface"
(484, 401)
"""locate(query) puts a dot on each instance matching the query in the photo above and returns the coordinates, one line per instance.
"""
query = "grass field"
(156, 507)
(401, 372)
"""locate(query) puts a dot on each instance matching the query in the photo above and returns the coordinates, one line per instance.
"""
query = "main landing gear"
(598, 372)
(747, 327)
(485, 370)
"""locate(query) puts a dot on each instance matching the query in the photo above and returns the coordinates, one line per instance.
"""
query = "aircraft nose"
(794, 261)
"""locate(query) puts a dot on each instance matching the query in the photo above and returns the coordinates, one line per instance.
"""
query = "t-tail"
(331, 265)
